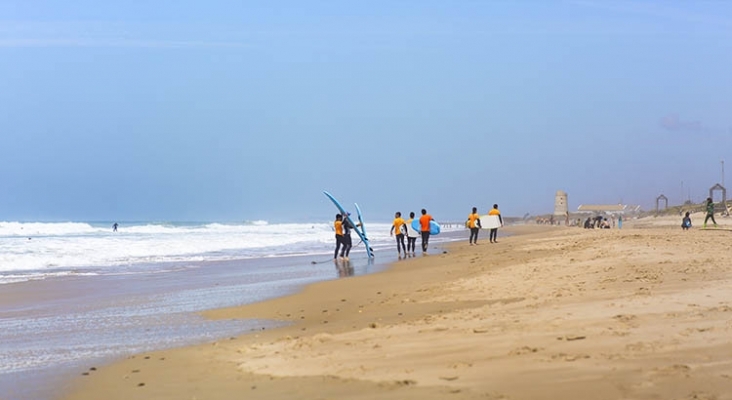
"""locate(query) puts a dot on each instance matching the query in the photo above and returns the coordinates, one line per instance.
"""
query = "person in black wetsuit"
(473, 223)
(412, 235)
(338, 227)
(493, 234)
(346, 241)
(398, 227)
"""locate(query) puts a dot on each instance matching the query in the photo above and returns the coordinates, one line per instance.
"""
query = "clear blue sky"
(231, 110)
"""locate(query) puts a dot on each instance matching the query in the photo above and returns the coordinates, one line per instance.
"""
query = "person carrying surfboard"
(412, 235)
(347, 242)
(474, 225)
(398, 226)
(424, 223)
(494, 232)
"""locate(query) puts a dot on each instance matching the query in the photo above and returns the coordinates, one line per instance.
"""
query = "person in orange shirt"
(398, 226)
(474, 225)
(494, 232)
(338, 227)
(424, 224)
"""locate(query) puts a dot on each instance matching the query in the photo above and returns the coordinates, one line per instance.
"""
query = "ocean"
(75, 294)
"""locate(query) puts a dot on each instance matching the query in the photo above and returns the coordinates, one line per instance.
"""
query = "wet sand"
(553, 312)
(51, 328)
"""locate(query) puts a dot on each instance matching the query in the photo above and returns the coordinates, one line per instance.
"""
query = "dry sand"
(553, 313)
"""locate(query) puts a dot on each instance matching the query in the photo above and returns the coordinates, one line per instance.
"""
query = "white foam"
(40, 250)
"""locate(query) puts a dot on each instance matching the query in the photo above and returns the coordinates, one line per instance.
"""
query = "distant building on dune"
(609, 209)
(561, 207)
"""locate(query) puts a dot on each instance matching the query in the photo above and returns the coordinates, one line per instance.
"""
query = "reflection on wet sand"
(344, 268)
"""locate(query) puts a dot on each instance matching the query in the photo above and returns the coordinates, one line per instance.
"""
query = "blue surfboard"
(363, 230)
(434, 227)
(360, 234)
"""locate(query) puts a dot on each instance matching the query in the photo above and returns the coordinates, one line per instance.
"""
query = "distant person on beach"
(620, 222)
(493, 235)
(412, 235)
(114, 227)
(710, 212)
(338, 226)
(686, 222)
(474, 225)
(399, 227)
(424, 224)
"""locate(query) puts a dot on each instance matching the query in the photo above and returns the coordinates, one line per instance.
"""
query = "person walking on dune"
(493, 236)
(424, 224)
(710, 212)
(398, 226)
(474, 225)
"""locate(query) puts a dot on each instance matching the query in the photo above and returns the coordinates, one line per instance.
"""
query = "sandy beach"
(548, 313)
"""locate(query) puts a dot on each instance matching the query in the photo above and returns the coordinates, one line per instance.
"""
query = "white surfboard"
(490, 221)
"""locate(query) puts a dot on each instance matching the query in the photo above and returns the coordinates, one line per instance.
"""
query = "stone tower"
(560, 203)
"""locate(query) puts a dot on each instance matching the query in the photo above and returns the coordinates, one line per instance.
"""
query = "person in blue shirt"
(686, 222)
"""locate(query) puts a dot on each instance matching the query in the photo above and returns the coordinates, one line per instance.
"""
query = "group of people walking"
(473, 223)
(403, 229)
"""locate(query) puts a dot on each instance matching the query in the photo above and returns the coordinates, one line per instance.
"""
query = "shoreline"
(57, 326)
(600, 314)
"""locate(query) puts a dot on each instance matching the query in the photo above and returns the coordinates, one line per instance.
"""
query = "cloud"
(673, 123)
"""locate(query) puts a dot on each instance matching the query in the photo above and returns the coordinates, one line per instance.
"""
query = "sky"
(233, 110)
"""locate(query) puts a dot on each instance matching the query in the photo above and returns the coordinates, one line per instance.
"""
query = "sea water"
(76, 293)
(41, 250)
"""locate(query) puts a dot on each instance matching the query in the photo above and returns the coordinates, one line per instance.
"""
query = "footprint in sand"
(568, 357)
(524, 350)
(627, 319)
(640, 347)
(701, 396)
(673, 370)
